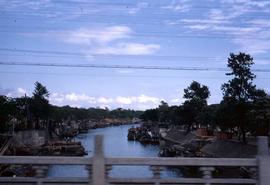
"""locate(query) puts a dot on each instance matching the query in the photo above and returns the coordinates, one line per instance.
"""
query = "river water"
(115, 145)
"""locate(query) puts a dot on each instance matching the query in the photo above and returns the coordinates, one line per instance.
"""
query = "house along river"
(115, 145)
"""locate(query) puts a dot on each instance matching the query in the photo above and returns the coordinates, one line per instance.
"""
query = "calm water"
(115, 145)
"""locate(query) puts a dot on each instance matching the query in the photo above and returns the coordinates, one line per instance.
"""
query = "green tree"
(150, 115)
(39, 105)
(163, 111)
(260, 116)
(196, 95)
(4, 113)
(240, 91)
(240, 88)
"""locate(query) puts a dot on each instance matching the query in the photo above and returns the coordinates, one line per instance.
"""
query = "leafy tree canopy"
(241, 88)
(40, 91)
(196, 91)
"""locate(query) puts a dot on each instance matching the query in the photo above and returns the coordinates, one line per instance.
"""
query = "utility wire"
(183, 22)
(117, 75)
(103, 66)
(196, 36)
(125, 4)
(107, 75)
(152, 20)
(48, 53)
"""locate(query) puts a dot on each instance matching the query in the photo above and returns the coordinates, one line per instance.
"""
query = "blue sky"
(175, 33)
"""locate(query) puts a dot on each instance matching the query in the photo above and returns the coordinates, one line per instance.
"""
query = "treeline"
(66, 112)
(36, 112)
(244, 108)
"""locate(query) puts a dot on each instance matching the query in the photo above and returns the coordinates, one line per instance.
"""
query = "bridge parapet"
(99, 167)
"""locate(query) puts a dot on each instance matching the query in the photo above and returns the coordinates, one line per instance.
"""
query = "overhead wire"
(105, 66)
(117, 75)
(48, 53)
(153, 35)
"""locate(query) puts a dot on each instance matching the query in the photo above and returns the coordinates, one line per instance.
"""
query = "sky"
(70, 34)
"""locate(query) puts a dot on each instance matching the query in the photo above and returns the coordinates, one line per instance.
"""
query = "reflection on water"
(115, 145)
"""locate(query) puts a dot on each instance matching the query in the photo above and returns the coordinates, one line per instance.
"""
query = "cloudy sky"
(162, 33)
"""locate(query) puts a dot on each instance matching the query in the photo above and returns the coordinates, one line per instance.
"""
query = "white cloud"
(55, 97)
(142, 99)
(73, 97)
(260, 4)
(148, 99)
(105, 100)
(104, 106)
(250, 3)
(203, 21)
(12, 92)
(124, 100)
(26, 4)
(252, 38)
(178, 6)
(176, 101)
(127, 49)
(21, 91)
(84, 100)
(86, 36)
(260, 22)
(106, 41)
(138, 7)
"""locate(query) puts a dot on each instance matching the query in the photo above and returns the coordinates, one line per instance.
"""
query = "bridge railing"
(99, 167)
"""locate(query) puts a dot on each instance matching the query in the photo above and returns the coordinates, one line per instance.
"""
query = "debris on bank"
(58, 148)
(144, 135)
(179, 143)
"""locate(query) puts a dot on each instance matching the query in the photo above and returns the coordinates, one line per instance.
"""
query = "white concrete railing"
(99, 166)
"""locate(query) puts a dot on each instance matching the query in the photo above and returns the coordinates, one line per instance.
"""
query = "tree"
(196, 95)
(39, 104)
(4, 113)
(260, 116)
(163, 111)
(40, 91)
(240, 88)
(196, 91)
(150, 115)
(174, 115)
(240, 91)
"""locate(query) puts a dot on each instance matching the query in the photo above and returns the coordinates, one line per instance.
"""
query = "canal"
(115, 145)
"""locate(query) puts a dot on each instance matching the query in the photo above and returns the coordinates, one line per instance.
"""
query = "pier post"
(263, 160)
(263, 147)
(98, 175)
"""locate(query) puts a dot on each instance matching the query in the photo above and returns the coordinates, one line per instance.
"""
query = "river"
(115, 145)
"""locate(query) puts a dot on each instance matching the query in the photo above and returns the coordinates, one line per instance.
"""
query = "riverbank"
(178, 143)
(57, 142)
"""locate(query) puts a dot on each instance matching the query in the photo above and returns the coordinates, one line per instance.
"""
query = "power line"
(117, 75)
(99, 55)
(150, 20)
(48, 53)
(150, 35)
(165, 22)
(31, 15)
(126, 57)
(107, 75)
(148, 5)
(93, 13)
(125, 4)
(103, 66)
